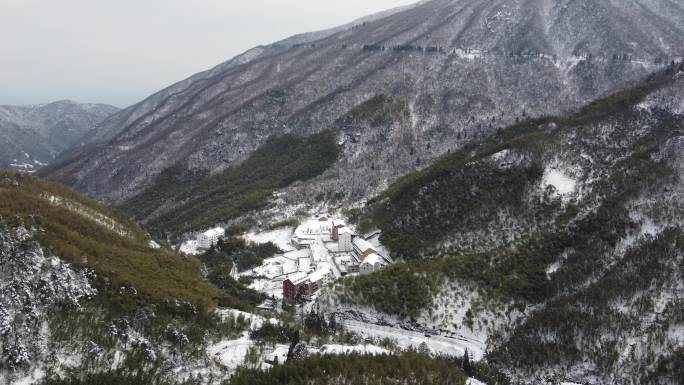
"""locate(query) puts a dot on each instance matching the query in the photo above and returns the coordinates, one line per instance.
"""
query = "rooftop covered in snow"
(215, 232)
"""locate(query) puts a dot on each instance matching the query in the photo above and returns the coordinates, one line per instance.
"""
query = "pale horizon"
(97, 51)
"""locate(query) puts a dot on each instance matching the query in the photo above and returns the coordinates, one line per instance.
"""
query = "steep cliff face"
(399, 89)
(31, 136)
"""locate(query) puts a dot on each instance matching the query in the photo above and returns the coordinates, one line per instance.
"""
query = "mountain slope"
(82, 290)
(455, 70)
(180, 201)
(34, 135)
(85, 298)
(558, 241)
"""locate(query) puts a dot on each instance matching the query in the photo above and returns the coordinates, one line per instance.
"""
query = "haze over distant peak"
(31, 136)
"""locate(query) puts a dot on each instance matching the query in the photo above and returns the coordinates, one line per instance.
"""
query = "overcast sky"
(120, 51)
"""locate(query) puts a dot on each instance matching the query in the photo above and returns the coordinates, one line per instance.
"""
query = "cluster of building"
(348, 253)
(365, 258)
(318, 251)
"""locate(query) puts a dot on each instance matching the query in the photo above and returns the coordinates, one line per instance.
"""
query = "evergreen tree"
(293, 344)
(466, 365)
(332, 324)
(423, 348)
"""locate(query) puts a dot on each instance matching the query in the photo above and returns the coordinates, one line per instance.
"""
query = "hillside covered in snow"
(33, 136)
(420, 81)
(458, 191)
(557, 242)
(86, 298)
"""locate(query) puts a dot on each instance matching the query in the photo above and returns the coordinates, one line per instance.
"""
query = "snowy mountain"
(32, 136)
(399, 89)
(86, 298)
(557, 243)
(83, 291)
(520, 161)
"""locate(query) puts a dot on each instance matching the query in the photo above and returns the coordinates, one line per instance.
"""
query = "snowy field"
(231, 353)
(564, 185)
(36, 376)
(280, 237)
(270, 287)
(472, 381)
(452, 346)
(189, 247)
(314, 228)
(256, 321)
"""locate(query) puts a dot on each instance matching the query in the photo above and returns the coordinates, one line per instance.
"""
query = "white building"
(317, 280)
(289, 266)
(304, 264)
(209, 238)
(373, 262)
(345, 239)
(363, 248)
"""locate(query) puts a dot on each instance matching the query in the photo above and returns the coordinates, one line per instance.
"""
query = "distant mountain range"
(32, 136)
(399, 89)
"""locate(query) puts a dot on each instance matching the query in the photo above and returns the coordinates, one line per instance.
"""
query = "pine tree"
(467, 366)
(293, 343)
(423, 348)
(332, 324)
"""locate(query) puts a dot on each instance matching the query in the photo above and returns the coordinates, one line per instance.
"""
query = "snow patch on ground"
(36, 376)
(314, 228)
(31, 281)
(270, 287)
(231, 353)
(190, 247)
(350, 349)
(256, 321)
(280, 237)
(564, 185)
(501, 155)
(647, 228)
(508, 158)
(408, 339)
(552, 268)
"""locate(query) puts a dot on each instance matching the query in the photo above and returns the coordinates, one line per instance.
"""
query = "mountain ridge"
(461, 68)
(33, 135)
